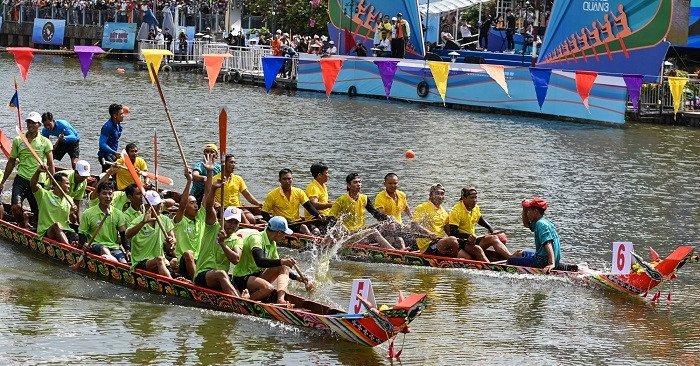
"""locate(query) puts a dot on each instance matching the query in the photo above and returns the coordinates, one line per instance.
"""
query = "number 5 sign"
(364, 289)
(622, 257)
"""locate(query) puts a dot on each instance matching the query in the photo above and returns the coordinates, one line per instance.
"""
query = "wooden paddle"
(223, 125)
(158, 178)
(31, 149)
(94, 235)
(155, 156)
(308, 285)
(167, 112)
(304, 222)
(139, 184)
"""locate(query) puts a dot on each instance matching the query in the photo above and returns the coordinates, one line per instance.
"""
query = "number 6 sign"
(622, 257)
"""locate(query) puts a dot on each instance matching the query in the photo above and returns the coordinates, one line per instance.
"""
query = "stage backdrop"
(49, 31)
(119, 36)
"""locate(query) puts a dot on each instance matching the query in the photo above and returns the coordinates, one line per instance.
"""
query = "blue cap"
(279, 223)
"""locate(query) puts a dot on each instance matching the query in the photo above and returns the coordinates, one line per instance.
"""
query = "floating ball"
(410, 154)
(125, 110)
(120, 70)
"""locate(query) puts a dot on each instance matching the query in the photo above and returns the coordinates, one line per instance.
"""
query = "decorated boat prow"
(365, 328)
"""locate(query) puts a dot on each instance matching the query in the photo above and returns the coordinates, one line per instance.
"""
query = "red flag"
(349, 41)
(584, 83)
(330, 67)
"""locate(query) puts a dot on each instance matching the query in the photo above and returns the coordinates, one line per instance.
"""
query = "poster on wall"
(49, 31)
(694, 24)
(119, 36)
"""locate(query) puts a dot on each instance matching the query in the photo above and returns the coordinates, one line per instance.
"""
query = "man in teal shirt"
(547, 247)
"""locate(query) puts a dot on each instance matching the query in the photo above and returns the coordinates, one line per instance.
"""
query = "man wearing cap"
(260, 265)
(147, 237)
(78, 183)
(109, 136)
(233, 187)
(108, 235)
(219, 246)
(68, 139)
(54, 208)
(430, 218)
(547, 247)
(403, 36)
(123, 176)
(285, 201)
(332, 49)
(21, 189)
(463, 216)
(199, 173)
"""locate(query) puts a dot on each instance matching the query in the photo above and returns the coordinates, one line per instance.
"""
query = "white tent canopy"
(446, 6)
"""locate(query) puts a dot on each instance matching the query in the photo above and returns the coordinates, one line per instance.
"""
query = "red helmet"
(535, 202)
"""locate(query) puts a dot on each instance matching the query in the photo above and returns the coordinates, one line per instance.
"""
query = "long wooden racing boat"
(371, 328)
(638, 283)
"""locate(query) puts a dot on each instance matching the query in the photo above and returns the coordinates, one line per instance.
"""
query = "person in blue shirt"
(109, 137)
(547, 247)
(68, 139)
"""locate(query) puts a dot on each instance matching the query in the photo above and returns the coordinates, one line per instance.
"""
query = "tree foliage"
(294, 15)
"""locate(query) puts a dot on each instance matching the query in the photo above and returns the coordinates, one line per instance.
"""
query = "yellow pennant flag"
(497, 73)
(213, 63)
(676, 84)
(440, 71)
(154, 57)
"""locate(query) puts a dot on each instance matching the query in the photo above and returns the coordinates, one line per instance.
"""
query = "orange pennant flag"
(330, 68)
(497, 73)
(23, 58)
(584, 83)
(213, 63)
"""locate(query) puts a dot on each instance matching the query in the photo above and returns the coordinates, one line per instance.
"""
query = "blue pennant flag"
(14, 102)
(149, 18)
(540, 77)
(271, 67)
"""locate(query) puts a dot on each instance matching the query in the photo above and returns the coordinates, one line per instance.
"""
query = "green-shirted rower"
(189, 227)
(111, 232)
(54, 208)
(147, 238)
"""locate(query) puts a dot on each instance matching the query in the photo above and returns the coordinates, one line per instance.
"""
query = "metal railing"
(656, 98)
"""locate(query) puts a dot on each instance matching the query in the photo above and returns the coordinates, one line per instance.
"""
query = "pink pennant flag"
(23, 58)
(584, 83)
(497, 73)
(85, 55)
(330, 68)
(387, 70)
(213, 63)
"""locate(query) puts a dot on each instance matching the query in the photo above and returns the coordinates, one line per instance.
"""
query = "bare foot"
(517, 253)
(245, 294)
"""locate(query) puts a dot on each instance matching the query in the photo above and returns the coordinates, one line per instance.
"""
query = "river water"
(636, 183)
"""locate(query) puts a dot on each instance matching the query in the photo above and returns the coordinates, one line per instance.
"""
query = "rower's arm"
(249, 197)
(485, 224)
(312, 210)
(197, 177)
(233, 255)
(526, 223)
(103, 142)
(408, 212)
(319, 205)
(184, 197)
(49, 163)
(209, 198)
(69, 135)
(264, 262)
(8, 170)
(266, 216)
(454, 231)
(34, 182)
(379, 216)
(550, 256)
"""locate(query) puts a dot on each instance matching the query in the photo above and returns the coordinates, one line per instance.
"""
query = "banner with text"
(119, 36)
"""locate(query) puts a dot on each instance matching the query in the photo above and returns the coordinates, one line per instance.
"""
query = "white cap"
(232, 212)
(34, 117)
(279, 31)
(324, 38)
(331, 42)
(153, 198)
(315, 36)
(394, 18)
(83, 168)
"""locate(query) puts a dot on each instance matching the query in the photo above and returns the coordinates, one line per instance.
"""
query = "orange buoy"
(410, 154)
(125, 110)
(120, 70)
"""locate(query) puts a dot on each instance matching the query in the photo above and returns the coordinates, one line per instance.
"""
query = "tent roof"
(444, 6)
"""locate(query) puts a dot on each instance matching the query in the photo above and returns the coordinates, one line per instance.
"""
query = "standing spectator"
(484, 30)
(109, 136)
(168, 39)
(403, 35)
(68, 139)
(510, 30)
(160, 39)
(182, 45)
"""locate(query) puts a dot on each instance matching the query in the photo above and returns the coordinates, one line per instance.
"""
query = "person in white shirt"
(332, 49)
(385, 46)
(446, 35)
(160, 39)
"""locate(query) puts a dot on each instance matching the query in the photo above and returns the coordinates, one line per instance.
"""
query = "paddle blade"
(223, 124)
(132, 171)
(5, 144)
(159, 178)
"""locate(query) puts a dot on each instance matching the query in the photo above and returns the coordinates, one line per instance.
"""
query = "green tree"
(294, 15)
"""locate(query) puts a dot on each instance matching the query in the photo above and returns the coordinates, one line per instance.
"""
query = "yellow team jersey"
(232, 190)
(123, 175)
(320, 191)
(350, 212)
(431, 218)
(391, 207)
(277, 204)
(463, 219)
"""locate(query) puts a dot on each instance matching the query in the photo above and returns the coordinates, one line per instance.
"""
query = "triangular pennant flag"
(440, 71)
(584, 83)
(271, 67)
(23, 58)
(676, 84)
(540, 77)
(154, 57)
(349, 41)
(634, 87)
(213, 63)
(497, 73)
(387, 69)
(85, 55)
(330, 68)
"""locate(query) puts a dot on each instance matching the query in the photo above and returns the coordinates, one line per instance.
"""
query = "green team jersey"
(189, 233)
(119, 199)
(109, 233)
(211, 256)
(148, 242)
(246, 265)
(77, 190)
(27, 164)
(52, 209)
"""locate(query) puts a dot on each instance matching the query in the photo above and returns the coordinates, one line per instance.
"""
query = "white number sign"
(622, 257)
(364, 289)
